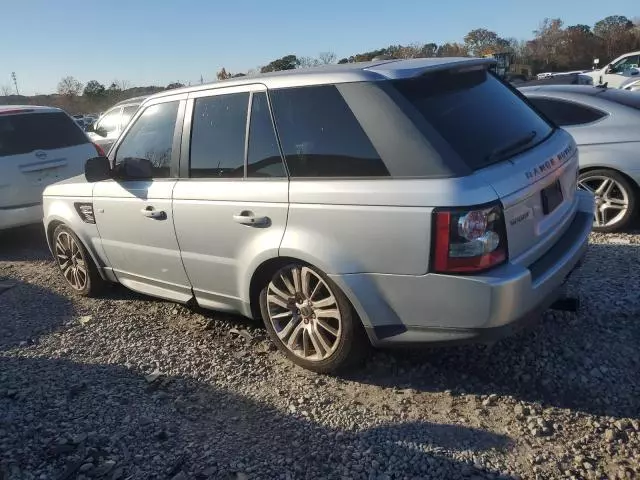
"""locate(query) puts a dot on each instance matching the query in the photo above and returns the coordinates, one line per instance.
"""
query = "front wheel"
(75, 263)
(310, 320)
(615, 199)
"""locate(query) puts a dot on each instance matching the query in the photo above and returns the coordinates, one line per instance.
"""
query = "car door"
(134, 216)
(621, 71)
(230, 211)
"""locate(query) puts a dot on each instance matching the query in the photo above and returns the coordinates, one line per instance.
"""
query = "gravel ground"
(128, 387)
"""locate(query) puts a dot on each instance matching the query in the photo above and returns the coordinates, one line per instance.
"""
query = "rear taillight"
(99, 150)
(470, 240)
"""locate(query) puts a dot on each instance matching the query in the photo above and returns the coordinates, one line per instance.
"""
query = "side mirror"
(135, 169)
(610, 69)
(97, 169)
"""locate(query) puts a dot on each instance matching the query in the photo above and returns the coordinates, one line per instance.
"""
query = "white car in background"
(38, 146)
(616, 74)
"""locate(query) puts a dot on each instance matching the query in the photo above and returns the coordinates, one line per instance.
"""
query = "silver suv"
(391, 203)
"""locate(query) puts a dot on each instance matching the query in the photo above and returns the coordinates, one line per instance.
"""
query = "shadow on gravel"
(57, 417)
(28, 311)
(24, 244)
(587, 362)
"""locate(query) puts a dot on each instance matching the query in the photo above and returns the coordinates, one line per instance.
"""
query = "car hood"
(71, 187)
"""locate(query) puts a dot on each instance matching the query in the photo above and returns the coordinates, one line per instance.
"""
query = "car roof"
(132, 100)
(339, 73)
(17, 109)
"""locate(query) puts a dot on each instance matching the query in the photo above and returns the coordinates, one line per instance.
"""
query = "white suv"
(38, 146)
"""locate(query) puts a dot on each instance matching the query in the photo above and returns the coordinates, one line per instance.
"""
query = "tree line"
(554, 47)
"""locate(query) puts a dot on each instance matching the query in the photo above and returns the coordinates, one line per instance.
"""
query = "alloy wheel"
(71, 262)
(612, 199)
(304, 313)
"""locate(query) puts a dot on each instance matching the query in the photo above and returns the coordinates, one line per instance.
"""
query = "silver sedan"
(605, 124)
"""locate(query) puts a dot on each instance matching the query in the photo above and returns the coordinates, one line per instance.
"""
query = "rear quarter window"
(473, 111)
(566, 113)
(24, 133)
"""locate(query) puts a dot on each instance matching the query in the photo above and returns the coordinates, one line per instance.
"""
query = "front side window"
(320, 135)
(564, 113)
(109, 124)
(626, 63)
(127, 113)
(218, 135)
(151, 138)
(263, 156)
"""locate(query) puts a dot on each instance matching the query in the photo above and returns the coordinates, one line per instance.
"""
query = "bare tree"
(223, 74)
(122, 84)
(5, 90)
(326, 58)
(69, 87)
(307, 62)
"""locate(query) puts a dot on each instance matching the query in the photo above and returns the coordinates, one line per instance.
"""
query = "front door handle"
(247, 217)
(151, 212)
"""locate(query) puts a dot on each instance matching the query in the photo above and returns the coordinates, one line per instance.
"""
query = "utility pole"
(15, 82)
(201, 80)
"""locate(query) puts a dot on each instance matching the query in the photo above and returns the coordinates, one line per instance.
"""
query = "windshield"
(38, 131)
(478, 116)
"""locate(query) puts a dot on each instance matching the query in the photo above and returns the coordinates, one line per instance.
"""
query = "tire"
(323, 343)
(610, 186)
(66, 245)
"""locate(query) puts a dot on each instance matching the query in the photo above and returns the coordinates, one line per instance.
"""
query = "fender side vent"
(85, 210)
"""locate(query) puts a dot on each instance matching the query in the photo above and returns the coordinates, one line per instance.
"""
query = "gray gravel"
(128, 387)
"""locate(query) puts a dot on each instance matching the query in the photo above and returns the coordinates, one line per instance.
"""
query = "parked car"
(38, 146)
(394, 206)
(105, 131)
(559, 79)
(606, 126)
(616, 73)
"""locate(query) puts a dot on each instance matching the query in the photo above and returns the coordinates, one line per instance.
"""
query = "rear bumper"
(400, 310)
(11, 217)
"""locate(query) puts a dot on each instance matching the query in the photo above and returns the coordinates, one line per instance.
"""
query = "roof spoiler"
(422, 66)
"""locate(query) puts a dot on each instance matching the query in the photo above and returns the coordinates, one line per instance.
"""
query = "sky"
(156, 42)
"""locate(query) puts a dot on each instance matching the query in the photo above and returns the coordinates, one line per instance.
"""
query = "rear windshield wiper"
(520, 142)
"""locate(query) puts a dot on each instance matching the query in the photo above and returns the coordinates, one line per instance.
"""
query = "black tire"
(351, 345)
(93, 283)
(623, 184)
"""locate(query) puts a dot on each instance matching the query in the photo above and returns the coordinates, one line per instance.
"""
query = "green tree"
(617, 33)
(288, 62)
(452, 50)
(94, 89)
(481, 42)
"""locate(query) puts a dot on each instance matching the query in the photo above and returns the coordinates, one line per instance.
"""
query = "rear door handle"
(151, 212)
(247, 217)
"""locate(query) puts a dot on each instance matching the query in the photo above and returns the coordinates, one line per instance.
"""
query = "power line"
(15, 82)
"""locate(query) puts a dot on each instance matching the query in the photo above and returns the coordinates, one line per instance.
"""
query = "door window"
(565, 113)
(321, 137)
(263, 156)
(626, 63)
(151, 138)
(127, 113)
(218, 136)
(109, 124)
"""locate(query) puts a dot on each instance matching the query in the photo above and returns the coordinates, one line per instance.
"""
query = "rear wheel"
(615, 199)
(75, 263)
(310, 320)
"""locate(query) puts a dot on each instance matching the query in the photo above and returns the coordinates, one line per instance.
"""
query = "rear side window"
(24, 133)
(321, 137)
(565, 113)
(479, 117)
(263, 156)
(218, 135)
